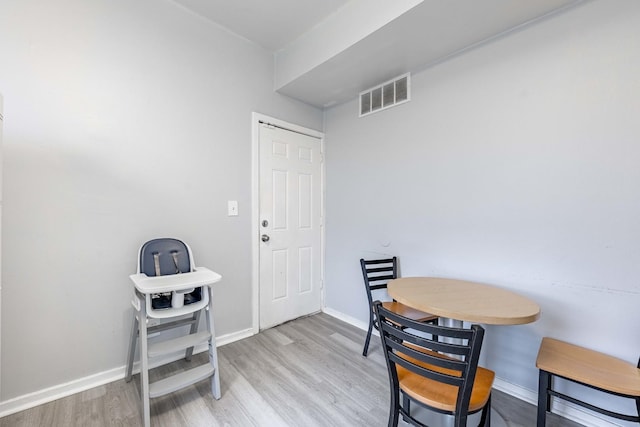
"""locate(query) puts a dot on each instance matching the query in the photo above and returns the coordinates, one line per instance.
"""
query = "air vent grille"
(388, 94)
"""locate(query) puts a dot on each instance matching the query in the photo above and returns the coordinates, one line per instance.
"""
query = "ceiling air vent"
(386, 95)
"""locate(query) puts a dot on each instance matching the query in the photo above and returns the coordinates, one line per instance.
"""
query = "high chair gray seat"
(168, 286)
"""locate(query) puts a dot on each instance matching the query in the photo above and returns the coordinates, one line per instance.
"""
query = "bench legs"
(544, 398)
(546, 391)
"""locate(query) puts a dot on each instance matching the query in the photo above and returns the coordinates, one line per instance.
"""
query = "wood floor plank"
(306, 373)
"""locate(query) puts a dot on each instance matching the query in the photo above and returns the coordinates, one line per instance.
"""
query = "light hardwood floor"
(308, 372)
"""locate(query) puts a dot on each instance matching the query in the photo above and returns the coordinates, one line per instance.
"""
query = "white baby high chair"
(168, 285)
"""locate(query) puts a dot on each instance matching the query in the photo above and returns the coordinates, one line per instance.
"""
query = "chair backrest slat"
(378, 261)
(436, 346)
(434, 359)
(427, 373)
(377, 272)
(386, 278)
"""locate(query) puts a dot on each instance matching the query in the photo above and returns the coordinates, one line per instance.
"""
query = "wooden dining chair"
(441, 376)
(376, 274)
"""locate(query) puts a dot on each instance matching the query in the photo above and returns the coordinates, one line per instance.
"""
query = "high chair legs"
(140, 332)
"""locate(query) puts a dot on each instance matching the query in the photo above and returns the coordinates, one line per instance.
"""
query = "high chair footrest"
(181, 380)
(177, 344)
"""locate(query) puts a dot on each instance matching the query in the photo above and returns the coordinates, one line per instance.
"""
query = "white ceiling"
(269, 23)
(425, 35)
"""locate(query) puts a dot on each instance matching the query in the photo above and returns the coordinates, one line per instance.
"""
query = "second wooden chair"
(442, 376)
(376, 274)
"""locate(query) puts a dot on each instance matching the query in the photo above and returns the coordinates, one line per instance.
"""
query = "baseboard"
(516, 391)
(348, 319)
(233, 337)
(564, 409)
(56, 392)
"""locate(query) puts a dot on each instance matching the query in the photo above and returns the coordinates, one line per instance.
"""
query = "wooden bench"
(589, 368)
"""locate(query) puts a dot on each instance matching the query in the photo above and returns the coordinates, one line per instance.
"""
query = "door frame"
(256, 120)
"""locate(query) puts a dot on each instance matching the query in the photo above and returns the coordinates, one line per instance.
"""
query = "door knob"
(265, 238)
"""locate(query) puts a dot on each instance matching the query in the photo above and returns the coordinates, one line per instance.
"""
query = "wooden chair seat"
(443, 396)
(587, 367)
(411, 313)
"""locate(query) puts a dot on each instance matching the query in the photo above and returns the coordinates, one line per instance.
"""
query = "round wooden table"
(464, 301)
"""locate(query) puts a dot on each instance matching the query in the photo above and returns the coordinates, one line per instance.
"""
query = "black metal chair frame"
(367, 283)
(546, 392)
(394, 336)
(377, 275)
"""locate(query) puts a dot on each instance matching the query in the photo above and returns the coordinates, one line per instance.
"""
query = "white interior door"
(290, 225)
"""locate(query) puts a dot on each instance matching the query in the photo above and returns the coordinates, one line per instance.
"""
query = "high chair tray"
(175, 282)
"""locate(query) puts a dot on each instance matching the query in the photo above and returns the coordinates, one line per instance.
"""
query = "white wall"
(1, 162)
(124, 121)
(516, 164)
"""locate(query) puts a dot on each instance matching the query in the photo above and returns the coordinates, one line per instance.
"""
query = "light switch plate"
(232, 208)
